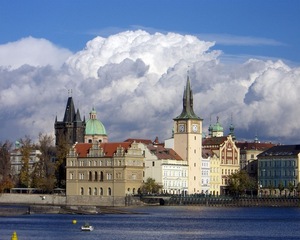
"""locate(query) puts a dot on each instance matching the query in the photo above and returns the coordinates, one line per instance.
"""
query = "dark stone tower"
(72, 128)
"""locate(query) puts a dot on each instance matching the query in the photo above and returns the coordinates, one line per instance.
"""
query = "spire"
(70, 111)
(187, 110)
(231, 129)
(77, 116)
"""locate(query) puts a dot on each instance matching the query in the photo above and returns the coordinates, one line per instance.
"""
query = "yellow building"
(225, 160)
(103, 173)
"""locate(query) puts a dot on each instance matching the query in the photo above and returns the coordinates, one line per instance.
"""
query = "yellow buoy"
(14, 236)
(74, 221)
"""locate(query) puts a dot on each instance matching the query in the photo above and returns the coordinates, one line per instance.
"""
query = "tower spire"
(187, 102)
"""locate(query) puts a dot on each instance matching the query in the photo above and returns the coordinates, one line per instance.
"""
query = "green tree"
(26, 148)
(240, 182)
(6, 181)
(150, 187)
(291, 188)
(280, 187)
(298, 188)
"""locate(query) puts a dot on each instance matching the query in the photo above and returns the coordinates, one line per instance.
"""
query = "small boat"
(87, 227)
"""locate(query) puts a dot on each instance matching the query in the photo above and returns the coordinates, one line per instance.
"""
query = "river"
(160, 222)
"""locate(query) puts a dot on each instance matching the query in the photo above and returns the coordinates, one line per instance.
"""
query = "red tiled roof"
(109, 149)
(82, 149)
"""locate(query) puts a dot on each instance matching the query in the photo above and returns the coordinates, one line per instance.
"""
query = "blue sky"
(129, 60)
(261, 28)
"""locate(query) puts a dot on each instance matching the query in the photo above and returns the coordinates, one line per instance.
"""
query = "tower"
(95, 130)
(188, 139)
(72, 128)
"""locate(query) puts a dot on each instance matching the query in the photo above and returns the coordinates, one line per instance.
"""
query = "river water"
(160, 222)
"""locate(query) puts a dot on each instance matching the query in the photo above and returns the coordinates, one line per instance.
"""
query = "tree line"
(46, 174)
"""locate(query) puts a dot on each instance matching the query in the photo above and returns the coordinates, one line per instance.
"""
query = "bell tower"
(188, 139)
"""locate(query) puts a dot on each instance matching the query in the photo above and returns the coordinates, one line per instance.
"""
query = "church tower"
(188, 140)
(72, 128)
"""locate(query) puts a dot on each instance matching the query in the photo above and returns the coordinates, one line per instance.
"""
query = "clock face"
(195, 128)
(181, 128)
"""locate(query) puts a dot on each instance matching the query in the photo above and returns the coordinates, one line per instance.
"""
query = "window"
(101, 177)
(90, 191)
(109, 191)
(81, 191)
(95, 191)
(153, 164)
(101, 191)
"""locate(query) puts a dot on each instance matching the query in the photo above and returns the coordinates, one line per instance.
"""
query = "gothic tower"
(72, 128)
(188, 139)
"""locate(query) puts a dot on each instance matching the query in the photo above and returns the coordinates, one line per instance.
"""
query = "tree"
(43, 175)
(240, 182)
(291, 188)
(26, 148)
(150, 187)
(6, 181)
(62, 150)
(298, 188)
(280, 187)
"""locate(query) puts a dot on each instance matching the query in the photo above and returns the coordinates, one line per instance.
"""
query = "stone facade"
(103, 173)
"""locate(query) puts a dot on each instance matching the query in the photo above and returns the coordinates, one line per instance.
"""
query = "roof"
(187, 110)
(109, 149)
(94, 126)
(254, 146)
(281, 150)
(213, 141)
(207, 153)
(137, 140)
(164, 153)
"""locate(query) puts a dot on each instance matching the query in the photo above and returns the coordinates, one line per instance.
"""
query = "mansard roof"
(138, 140)
(164, 153)
(254, 146)
(281, 150)
(214, 141)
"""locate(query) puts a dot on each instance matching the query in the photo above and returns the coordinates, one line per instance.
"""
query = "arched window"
(101, 191)
(90, 176)
(95, 191)
(101, 176)
(109, 191)
(90, 191)
(81, 191)
(96, 176)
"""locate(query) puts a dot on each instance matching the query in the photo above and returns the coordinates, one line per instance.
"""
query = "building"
(103, 173)
(71, 130)
(205, 171)
(16, 159)
(163, 165)
(225, 158)
(188, 140)
(167, 168)
(95, 130)
(248, 155)
(277, 166)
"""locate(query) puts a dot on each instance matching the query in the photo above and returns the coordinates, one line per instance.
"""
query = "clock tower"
(188, 140)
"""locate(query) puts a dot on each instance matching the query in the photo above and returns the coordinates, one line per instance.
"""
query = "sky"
(130, 61)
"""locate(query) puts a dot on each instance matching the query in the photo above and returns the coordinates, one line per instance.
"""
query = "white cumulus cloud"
(135, 81)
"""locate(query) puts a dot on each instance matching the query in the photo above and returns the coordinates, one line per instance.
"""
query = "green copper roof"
(217, 127)
(94, 126)
(187, 111)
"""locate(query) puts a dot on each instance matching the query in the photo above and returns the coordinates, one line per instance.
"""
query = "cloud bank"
(135, 81)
